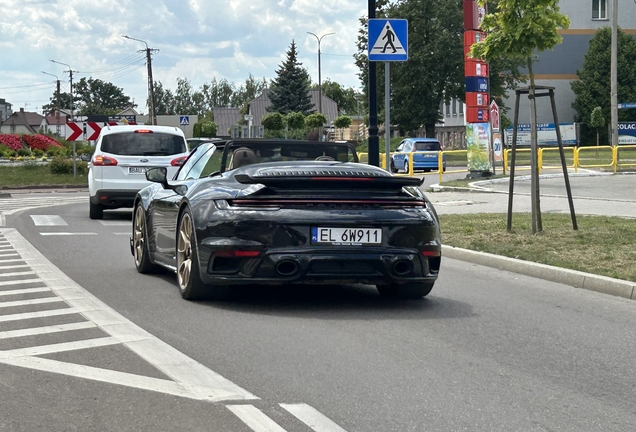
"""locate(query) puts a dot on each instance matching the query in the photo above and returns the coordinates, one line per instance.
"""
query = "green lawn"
(36, 175)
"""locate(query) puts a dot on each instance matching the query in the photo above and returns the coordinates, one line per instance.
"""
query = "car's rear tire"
(406, 166)
(140, 243)
(411, 290)
(95, 211)
(191, 286)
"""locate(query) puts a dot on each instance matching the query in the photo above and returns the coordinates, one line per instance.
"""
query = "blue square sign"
(388, 40)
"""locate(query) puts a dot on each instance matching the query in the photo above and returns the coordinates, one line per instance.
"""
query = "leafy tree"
(290, 89)
(97, 97)
(183, 102)
(65, 102)
(518, 28)
(315, 120)
(345, 97)
(342, 122)
(295, 120)
(273, 121)
(592, 89)
(164, 100)
(597, 120)
(208, 128)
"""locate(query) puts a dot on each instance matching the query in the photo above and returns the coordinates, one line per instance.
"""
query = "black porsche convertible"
(258, 211)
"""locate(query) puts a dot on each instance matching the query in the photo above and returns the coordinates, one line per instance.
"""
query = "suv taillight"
(103, 161)
(178, 161)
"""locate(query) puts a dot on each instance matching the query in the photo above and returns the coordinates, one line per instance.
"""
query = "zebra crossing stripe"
(255, 418)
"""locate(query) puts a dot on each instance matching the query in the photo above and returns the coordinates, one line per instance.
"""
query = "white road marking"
(14, 205)
(59, 347)
(200, 382)
(312, 418)
(115, 223)
(46, 330)
(2, 261)
(24, 291)
(43, 300)
(41, 314)
(122, 233)
(19, 282)
(255, 419)
(24, 273)
(12, 267)
(48, 220)
(8, 254)
(102, 375)
(67, 233)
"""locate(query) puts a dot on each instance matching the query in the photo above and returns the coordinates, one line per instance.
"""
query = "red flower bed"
(14, 142)
(41, 142)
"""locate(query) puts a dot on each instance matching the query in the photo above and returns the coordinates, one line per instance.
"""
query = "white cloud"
(196, 39)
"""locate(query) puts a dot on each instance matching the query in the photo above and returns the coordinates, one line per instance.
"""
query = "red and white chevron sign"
(75, 130)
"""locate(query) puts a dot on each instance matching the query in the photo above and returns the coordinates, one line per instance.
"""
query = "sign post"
(388, 41)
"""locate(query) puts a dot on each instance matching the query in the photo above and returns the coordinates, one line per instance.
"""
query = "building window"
(599, 9)
(454, 107)
(461, 108)
(448, 109)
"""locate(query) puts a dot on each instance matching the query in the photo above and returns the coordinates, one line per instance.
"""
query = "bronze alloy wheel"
(184, 251)
(139, 236)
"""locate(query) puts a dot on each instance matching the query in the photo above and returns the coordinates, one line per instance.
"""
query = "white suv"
(122, 155)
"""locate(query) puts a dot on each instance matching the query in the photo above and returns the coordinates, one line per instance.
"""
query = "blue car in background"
(425, 155)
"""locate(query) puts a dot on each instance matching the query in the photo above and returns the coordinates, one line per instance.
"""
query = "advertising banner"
(627, 132)
(546, 135)
(478, 146)
(497, 146)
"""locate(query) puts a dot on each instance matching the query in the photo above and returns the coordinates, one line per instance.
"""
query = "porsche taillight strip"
(318, 202)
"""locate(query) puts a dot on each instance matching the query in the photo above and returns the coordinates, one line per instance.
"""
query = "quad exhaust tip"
(402, 267)
(287, 268)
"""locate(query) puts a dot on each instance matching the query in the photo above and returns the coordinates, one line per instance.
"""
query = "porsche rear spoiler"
(331, 181)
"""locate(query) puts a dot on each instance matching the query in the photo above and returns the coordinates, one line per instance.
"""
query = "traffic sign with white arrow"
(73, 131)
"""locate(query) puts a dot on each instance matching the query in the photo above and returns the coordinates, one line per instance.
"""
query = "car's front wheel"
(393, 168)
(411, 290)
(95, 211)
(140, 243)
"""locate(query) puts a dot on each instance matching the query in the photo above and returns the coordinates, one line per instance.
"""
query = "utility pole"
(152, 116)
(70, 75)
(57, 104)
(614, 74)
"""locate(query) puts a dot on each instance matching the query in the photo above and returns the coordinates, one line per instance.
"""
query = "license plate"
(346, 236)
(137, 170)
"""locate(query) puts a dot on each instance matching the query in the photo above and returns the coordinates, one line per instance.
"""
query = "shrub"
(12, 141)
(56, 151)
(4, 151)
(38, 153)
(60, 165)
(39, 141)
(24, 152)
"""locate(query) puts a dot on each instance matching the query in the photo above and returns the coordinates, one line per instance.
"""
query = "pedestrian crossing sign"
(184, 120)
(388, 39)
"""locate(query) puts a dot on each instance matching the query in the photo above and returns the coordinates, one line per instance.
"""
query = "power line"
(26, 86)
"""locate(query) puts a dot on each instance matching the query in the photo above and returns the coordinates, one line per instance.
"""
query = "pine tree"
(290, 89)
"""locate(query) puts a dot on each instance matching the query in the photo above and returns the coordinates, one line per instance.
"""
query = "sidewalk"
(593, 194)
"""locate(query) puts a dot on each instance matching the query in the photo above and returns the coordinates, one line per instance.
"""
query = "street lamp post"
(57, 104)
(319, 78)
(70, 74)
(70, 77)
(151, 92)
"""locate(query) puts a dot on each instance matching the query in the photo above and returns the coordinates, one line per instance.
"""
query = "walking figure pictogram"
(390, 37)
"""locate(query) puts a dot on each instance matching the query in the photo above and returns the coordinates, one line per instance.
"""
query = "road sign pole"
(387, 115)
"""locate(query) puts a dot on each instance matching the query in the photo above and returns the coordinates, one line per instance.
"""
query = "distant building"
(5, 110)
(225, 118)
(557, 68)
(23, 122)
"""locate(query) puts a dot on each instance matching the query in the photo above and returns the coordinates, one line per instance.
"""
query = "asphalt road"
(487, 351)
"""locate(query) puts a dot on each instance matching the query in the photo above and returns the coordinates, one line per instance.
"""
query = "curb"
(574, 278)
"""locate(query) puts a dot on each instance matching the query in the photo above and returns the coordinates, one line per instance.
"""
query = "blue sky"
(197, 39)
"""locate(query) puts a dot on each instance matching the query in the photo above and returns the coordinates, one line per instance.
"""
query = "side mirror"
(158, 175)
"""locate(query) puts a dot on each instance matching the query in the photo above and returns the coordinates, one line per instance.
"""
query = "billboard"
(627, 133)
(546, 135)
(478, 146)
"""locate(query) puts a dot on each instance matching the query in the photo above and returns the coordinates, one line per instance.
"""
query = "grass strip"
(37, 175)
(603, 245)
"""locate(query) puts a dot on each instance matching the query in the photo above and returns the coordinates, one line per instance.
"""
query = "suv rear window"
(427, 146)
(143, 144)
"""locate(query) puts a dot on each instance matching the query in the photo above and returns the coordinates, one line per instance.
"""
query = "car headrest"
(243, 156)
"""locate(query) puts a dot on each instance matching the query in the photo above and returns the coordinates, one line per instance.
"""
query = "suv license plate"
(346, 236)
(137, 170)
